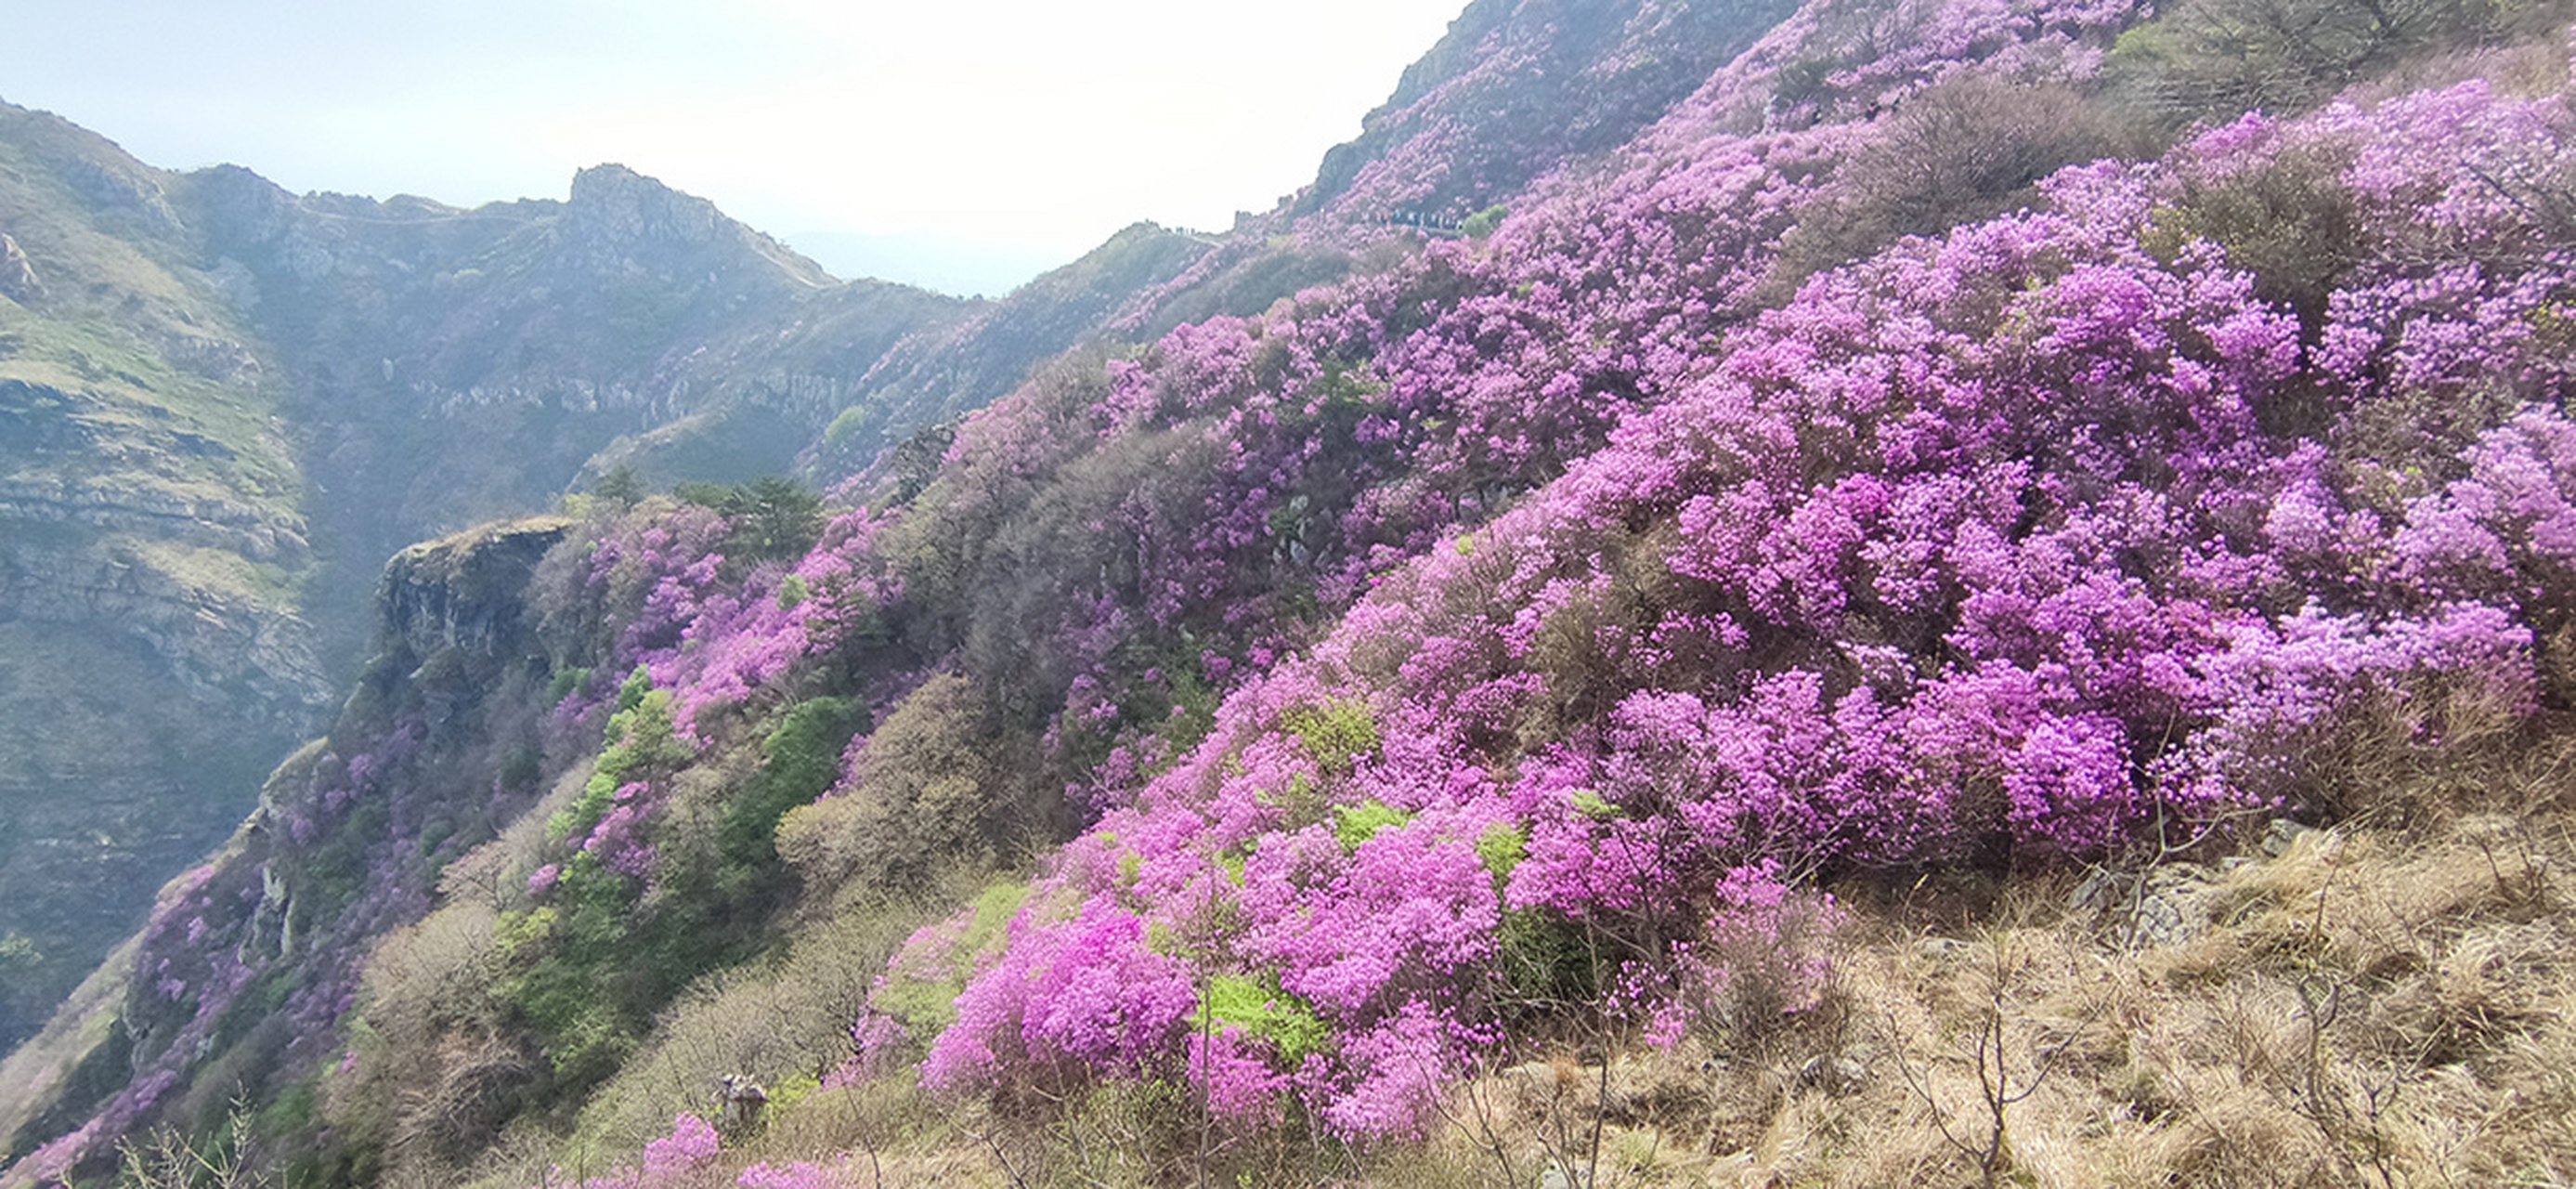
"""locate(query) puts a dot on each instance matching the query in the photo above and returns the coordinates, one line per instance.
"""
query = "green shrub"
(1261, 1008)
(621, 486)
(630, 695)
(923, 997)
(1546, 961)
(771, 517)
(642, 744)
(776, 1022)
(928, 790)
(1355, 824)
(803, 761)
(1335, 734)
(564, 682)
(846, 422)
(1502, 848)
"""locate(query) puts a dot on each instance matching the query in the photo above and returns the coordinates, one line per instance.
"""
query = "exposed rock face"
(618, 218)
(153, 656)
(451, 628)
(614, 207)
(17, 274)
(222, 406)
(446, 683)
(452, 366)
(1519, 83)
(464, 594)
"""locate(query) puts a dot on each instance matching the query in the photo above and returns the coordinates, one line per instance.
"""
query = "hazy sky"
(1000, 136)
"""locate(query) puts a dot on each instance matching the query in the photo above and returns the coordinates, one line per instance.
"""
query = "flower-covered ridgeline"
(1519, 624)
(1115, 549)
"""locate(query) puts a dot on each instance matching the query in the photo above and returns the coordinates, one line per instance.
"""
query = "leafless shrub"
(2210, 59)
(167, 1159)
(784, 1025)
(1965, 150)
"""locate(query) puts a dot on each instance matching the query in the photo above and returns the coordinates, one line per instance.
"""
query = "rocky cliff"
(153, 546)
(435, 739)
(222, 406)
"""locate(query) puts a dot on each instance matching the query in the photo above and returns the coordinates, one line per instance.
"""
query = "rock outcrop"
(17, 274)
(279, 902)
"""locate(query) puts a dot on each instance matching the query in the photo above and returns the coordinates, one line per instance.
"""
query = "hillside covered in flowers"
(1852, 601)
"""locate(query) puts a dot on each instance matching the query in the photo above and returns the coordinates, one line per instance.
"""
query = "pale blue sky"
(968, 143)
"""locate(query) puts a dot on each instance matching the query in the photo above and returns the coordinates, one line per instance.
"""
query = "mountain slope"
(1519, 86)
(153, 541)
(224, 405)
(1381, 414)
(453, 365)
(1509, 710)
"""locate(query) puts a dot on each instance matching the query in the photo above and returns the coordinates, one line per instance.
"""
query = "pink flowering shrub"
(684, 1159)
(636, 583)
(741, 640)
(691, 1158)
(800, 1174)
(1085, 992)
(1761, 955)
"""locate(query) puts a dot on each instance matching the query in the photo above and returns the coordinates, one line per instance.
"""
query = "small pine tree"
(621, 486)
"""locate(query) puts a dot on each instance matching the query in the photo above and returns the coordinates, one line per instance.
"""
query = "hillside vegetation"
(1946, 603)
(222, 406)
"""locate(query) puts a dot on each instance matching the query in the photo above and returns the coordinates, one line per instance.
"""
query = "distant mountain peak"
(615, 203)
(616, 211)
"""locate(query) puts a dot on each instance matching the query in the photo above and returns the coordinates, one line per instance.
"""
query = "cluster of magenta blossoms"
(689, 1158)
(2005, 545)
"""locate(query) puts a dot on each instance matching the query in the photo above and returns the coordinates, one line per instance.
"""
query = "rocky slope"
(1513, 90)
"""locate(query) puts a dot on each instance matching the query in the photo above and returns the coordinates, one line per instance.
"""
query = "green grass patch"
(1355, 824)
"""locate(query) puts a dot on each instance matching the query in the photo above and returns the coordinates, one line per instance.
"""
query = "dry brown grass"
(2366, 1009)
(2388, 1004)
